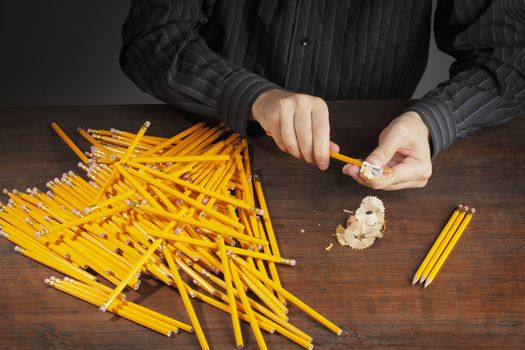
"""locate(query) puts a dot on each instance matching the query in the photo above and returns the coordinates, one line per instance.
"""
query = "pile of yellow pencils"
(443, 245)
(185, 210)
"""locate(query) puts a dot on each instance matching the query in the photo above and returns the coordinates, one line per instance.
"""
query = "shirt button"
(303, 41)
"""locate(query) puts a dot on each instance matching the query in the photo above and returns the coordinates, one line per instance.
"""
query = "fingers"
(386, 149)
(408, 173)
(353, 171)
(305, 129)
(402, 178)
(334, 147)
(287, 118)
(298, 123)
(405, 185)
(321, 135)
(303, 132)
(275, 133)
(402, 174)
(403, 147)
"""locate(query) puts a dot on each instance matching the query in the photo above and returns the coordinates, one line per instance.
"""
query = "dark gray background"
(58, 52)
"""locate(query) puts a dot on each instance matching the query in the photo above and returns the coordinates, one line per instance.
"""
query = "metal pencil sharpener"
(371, 171)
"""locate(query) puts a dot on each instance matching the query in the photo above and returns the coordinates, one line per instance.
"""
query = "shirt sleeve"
(166, 57)
(487, 80)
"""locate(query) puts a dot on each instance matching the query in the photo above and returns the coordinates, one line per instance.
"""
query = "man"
(277, 61)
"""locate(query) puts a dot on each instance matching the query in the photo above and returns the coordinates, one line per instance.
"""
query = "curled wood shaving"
(365, 226)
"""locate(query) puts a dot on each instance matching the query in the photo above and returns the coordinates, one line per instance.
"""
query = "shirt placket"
(299, 44)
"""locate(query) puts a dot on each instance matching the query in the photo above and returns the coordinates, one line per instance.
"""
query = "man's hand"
(403, 146)
(298, 123)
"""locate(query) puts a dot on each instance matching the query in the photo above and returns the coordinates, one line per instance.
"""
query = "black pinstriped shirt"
(214, 57)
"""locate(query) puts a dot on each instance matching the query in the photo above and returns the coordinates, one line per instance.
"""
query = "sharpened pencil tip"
(415, 279)
(422, 279)
(427, 283)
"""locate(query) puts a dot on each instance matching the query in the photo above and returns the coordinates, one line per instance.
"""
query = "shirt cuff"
(237, 97)
(439, 118)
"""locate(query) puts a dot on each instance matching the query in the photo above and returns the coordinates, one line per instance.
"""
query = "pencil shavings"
(371, 211)
(339, 233)
(365, 226)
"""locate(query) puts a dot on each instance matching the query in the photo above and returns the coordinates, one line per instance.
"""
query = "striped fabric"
(214, 57)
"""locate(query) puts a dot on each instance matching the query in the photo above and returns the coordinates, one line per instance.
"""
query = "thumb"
(334, 147)
(386, 149)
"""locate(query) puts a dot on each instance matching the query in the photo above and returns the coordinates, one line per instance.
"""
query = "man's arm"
(487, 84)
(166, 57)
(487, 87)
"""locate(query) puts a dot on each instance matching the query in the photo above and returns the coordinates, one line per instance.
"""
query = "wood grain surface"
(476, 301)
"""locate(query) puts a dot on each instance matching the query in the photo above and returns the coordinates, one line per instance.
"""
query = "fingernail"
(372, 160)
(323, 166)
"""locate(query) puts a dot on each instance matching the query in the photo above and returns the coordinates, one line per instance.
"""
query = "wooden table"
(477, 300)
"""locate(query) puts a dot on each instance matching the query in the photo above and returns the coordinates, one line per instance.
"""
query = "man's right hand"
(298, 124)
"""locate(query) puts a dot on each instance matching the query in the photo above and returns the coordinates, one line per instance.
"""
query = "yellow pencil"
(314, 314)
(262, 256)
(436, 244)
(131, 274)
(92, 140)
(185, 299)
(270, 234)
(158, 326)
(188, 198)
(202, 224)
(231, 296)
(160, 159)
(184, 239)
(105, 185)
(109, 201)
(135, 142)
(247, 308)
(175, 323)
(69, 142)
(80, 221)
(173, 139)
(266, 217)
(263, 323)
(271, 265)
(265, 295)
(56, 264)
(198, 280)
(450, 246)
(346, 159)
(140, 189)
(194, 187)
(443, 244)
(76, 179)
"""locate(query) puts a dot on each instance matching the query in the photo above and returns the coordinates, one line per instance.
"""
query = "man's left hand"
(403, 147)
